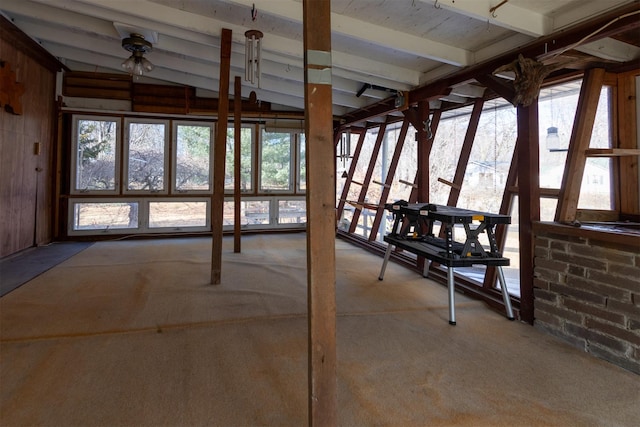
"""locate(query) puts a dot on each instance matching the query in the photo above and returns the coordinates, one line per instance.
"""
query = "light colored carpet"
(130, 334)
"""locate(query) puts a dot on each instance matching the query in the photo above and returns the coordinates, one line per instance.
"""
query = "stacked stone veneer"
(587, 291)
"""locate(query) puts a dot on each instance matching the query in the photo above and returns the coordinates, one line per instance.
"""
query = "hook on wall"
(436, 5)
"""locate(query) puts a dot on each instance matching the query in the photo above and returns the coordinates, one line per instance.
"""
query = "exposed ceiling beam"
(612, 49)
(274, 75)
(153, 13)
(585, 10)
(506, 16)
(362, 30)
(188, 76)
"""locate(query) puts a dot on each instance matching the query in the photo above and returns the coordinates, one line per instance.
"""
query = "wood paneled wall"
(26, 170)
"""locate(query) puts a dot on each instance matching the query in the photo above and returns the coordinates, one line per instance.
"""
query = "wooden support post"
(424, 153)
(578, 144)
(217, 198)
(237, 147)
(321, 270)
(528, 200)
(628, 136)
(425, 144)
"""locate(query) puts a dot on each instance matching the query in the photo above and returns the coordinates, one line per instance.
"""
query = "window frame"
(292, 159)
(252, 127)
(75, 118)
(126, 149)
(175, 124)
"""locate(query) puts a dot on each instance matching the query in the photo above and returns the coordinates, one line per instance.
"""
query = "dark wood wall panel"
(25, 177)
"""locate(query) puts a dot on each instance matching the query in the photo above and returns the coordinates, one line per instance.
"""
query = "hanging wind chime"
(253, 52)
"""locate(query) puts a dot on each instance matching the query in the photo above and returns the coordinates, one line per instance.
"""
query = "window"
(178, 214)
(193, 153)
(292, 212)
(275, 161)
(445, 153)
(302, 165)
(246, 160)
(490, 159)
(557, 110)
(596, 190)
(95, 143)
(157, 175)
(104, 216)
(146, 155)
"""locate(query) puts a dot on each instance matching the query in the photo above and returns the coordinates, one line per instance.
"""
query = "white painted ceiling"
(394, 44)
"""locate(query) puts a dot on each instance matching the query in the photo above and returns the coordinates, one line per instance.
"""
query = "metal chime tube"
(247, 62)
(258, 55)
(252, 73)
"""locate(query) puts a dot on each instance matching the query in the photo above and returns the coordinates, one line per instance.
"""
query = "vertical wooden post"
(528, 200)
(321, 271)
(627, 126)
(425, 145)
(579, 142)
(424, 151)
(237, 200)
(465, 154)
(220, 145)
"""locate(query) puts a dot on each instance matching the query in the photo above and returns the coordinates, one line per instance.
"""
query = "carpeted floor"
(16, 270)
(130, 334)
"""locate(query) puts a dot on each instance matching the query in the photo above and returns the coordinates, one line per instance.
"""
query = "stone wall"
(587, 290)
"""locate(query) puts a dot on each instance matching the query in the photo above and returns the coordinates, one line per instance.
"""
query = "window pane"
(406, 170)
(547, 209)
(177, 214)
(255, 212)
(557, 110)
(445, 152)
(512, 251)
(292, 212)
(486, 173)
(596, 189)
(146, 156)
(96, 156)
(302, 163)
(105, 216)
(245, 159)
(193, 169)
(275, 164)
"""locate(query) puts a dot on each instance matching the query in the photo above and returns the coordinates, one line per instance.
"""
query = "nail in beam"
(321, 274)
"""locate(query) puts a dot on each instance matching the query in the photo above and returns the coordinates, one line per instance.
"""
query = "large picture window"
(95, 142)
(246, 160)
(134, 174)
(146, 151)
(275, 161)
(193, 150)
